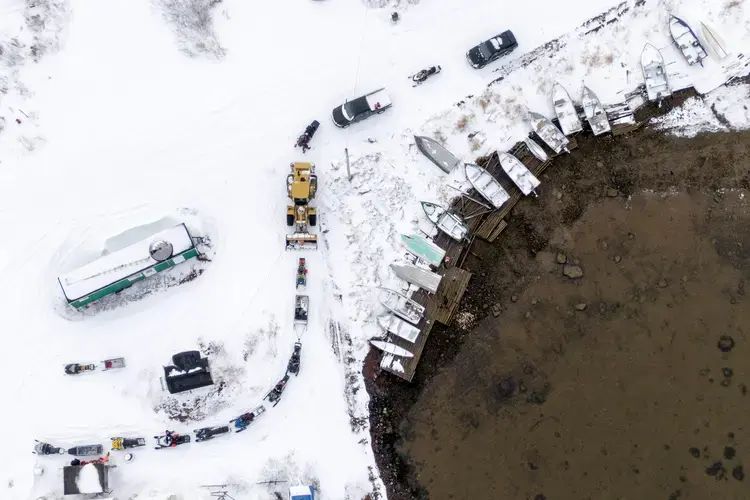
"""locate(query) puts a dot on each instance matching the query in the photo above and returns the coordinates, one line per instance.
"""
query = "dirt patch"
(601, 386)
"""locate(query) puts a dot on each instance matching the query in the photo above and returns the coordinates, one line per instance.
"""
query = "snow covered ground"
(189, 109)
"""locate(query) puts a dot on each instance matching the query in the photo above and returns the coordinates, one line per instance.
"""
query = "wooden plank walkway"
(441, 307)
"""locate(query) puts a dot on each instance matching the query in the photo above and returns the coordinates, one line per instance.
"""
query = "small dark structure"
(189, 371)
(76, 482)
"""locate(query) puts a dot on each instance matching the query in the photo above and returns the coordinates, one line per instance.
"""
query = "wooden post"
(348, 172)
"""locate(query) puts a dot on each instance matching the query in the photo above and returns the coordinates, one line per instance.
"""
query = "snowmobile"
(303, 140)
(301, 273)
(121, 443)
(107, 364)
(206, 433)
(274, 396)
(294, 362)
(243, 421)
(42, 448)
(421, 76)
(171, 439)
(86, 450)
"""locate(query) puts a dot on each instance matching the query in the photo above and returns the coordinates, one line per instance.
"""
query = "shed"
(85, 479)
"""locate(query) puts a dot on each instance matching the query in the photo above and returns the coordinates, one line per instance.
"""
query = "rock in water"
(572, 272)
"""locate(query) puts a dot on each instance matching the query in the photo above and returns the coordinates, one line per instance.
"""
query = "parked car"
(361, 108)
(494, 48)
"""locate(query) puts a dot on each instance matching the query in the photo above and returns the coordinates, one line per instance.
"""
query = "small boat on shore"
(536, 149)
(422, 248)
(423, 278)
(445, 220)
(437, 153)
(486, 185)
(401, 305)
(518, 173)
(399, 328)
(547, 132)
(655, 73)
(391, 349)
(595, 113)
(686, 41)
(565, 110)
(714, 41)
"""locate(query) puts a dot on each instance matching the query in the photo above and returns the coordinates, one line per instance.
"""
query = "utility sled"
(301, 306)
(107, 364)
(301, 186)
(86, 450)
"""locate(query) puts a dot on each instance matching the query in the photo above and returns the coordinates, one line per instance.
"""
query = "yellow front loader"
(301, 185)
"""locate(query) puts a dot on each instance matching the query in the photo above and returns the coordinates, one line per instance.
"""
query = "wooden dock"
(484, 222)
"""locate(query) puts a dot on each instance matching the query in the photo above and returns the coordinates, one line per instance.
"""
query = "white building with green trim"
(121, 269)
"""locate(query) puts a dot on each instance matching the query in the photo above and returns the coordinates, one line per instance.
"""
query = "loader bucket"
(302, 241)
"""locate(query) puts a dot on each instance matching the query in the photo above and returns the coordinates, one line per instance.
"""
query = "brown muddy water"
(629, 381)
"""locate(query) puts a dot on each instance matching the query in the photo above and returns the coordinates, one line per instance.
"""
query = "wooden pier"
(484, 222)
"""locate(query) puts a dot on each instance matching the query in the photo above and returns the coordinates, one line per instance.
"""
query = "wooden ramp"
(441, 307)
(488, 223)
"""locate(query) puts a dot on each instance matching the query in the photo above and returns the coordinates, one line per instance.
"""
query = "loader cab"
(302, 183)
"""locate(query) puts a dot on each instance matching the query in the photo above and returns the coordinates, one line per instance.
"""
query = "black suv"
(494, 48)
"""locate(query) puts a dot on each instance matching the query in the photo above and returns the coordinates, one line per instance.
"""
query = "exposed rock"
(738, 473)
(581, 306)
(617, 259)
(534, 302)
(572, 272)
(513, 298)
(600, 164)
(725, 344)
(728, 372)
(612, 193)
(662, 283)
(695, 452)
(561, 258)
(605, 245)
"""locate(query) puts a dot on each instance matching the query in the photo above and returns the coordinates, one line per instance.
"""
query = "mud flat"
(602, 345)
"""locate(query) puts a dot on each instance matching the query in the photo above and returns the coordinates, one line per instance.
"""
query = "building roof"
(122, 263)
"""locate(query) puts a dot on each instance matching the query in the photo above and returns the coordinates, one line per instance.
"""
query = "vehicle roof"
(379, 96)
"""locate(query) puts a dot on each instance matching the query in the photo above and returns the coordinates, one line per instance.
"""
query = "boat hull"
(486, 185)
(565, 110)
(594, 111)
(518, 173)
